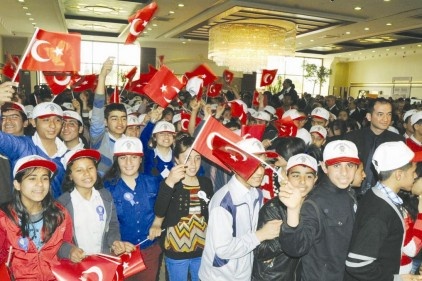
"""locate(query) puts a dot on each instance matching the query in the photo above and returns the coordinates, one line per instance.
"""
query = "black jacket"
(270, 262)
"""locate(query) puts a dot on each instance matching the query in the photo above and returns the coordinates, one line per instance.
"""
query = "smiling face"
(129, 165)
(49, 128)
(164, 139)
(302, 178)
(34, 187)
(341, 174)
(83, 173)
(70, 130)
(381, 117)
(116, 123)
(12, 122)
(193, 162)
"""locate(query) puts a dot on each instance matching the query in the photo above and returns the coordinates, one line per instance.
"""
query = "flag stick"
(25, 54)
(143, 241)
(9, 256)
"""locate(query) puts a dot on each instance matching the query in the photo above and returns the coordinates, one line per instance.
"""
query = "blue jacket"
(135, 208)
(14, 148)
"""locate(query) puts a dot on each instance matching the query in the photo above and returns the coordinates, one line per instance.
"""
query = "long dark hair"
(410, 202)
(68, 185)
(53, 216)
(113, 175)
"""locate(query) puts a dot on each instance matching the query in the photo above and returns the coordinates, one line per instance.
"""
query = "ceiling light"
(99, 9)
(25, 7)
(388, 23)
(386, 0)
(184, 42)
(34, 23)
(154, 24)
(181, 5)
(28, 14)
(246, 46)
(403, 47)
(149, 28)
(171, 12)
(312, 40)
(366, 28)
(373, 51)
(21, 1)
(419, 45)
(347, 32)
(31, 19)
(358, 8)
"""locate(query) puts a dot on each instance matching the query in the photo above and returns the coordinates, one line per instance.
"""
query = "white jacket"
(228, 253)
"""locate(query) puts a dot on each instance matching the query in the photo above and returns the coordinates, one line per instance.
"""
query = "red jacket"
(33, 264)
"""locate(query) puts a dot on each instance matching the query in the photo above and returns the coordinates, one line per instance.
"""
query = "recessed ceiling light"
(154, 24)
(171, 12)
(34, 23)
(366, 28)
(149, 28)
(347, 32)
(358, 8)
(386, 0)
(300, 43)
(403, 47)
(145, 32)
(419, 45)
(28, 14)
(184, 42)
(374, 51)
(25, 7)
(181, 5)
(31, 19)
(21, 1)
(387, 49)
(312, 40)
(388, 23)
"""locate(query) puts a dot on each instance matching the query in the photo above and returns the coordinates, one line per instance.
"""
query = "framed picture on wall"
(401, 87)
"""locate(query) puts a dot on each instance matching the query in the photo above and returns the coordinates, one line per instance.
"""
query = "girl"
(181, 208)
(134, 196)
(32, 223)
(96, 229)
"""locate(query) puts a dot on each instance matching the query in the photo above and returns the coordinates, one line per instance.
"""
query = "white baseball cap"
(303, 134)
(133, 120)
(128, 146)
(261, 115)
(34, 161)
(254, 146)
(302, 159)
(176, 118)
(164, 126)
(293, 114)
(70, 114)
(409, 113)
(80, 153)
(391, 155)
(340, 151)
(415, 117)
(318, 129)
(321, 113)
(13, 106)
(47, 109)
(269, 109)
(141, 118)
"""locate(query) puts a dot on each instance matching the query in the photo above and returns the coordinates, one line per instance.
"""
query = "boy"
(233, 217)
(376, 244)
(320, 231)
(271, 263)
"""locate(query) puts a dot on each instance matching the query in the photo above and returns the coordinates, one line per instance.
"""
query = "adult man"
(331, 105)
(113, 116)
(72, 128)
(320, 231)
(376, 244)
(368, 139)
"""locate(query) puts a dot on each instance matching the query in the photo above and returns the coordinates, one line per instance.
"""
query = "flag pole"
(25, 54)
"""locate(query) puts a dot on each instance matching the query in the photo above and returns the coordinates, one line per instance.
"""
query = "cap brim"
(85, 153)
(301, 164)
(342, 159)
(318, 134)
(47, 115)
(128, 153)
(39, 163)
(417, 157)
(319, 117)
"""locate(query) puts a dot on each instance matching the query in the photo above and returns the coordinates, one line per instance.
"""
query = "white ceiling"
(336, 26)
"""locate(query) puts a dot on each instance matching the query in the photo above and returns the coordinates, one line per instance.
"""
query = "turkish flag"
(115, 96)
(84, 82)
(239, 161)
(6, 273)
(255, 100)
(203, 141)
(94, 267)
(267, 184)
(57, 81)
(203, 72)
(51, 51)
(239, 110)
(268, 77)
(139, 20)
(137, 86)
(163, 87)
(214, 90)
(11, 66)
(131, 73)
(132, 262)
(228, 76)
(253, 131)
(279, 112)
(184, 120)
(285, 127)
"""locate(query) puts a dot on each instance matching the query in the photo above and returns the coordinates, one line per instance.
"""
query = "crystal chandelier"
(246, 46)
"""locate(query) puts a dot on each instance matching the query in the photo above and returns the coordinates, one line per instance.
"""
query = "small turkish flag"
(285, 127)
(115, 96)
(51, 51)
(163, 87)
(267, 184)
(5, 273)
(132, 262)
(139, 21)
(268, 77)
(239, 161)
(137, 86)
(11, 66)
(203, 141)
(94, 267)
(239, 110)
(131, 73)
(57, 81)
(228, 76)
(255, 99)
(214, 90)
(203, 72)
(184, 120)
(84, 82)
(253, 131)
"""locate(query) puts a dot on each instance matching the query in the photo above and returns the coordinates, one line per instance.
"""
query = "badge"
(100, 212)
(202, 195)
(129, 197)
(23, 243)
(165, 173)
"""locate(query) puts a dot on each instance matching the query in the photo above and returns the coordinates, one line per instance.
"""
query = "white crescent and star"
(183, 123)
(210, 138)
(232, 149)
(96, 270)
(266, 76)
(132, 28)
(34, 51)
(63, 82)
(212, 89)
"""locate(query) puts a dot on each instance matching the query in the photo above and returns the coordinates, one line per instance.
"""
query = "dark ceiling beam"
(106, 20)
(95, 33)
